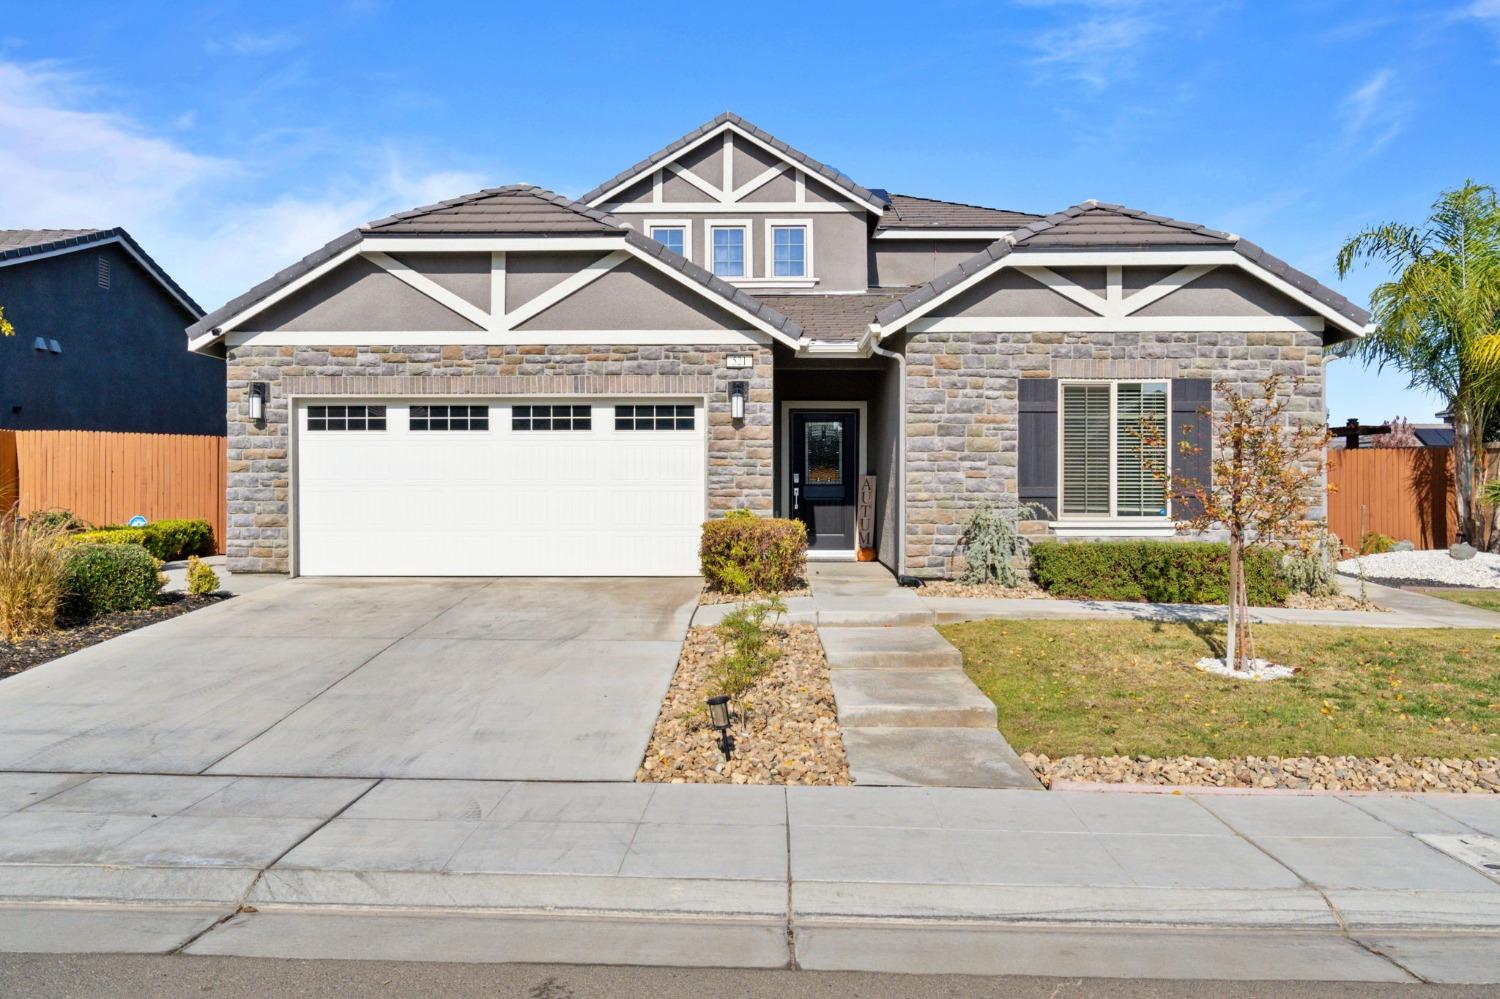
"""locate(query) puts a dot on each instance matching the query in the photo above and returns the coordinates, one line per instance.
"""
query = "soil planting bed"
(72, 635)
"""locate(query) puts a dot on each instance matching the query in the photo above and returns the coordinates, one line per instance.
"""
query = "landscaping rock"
(1024, 590)
(1463, 552)
(1403, 546)
(785, 728)
(1316, 773)
(709, 598)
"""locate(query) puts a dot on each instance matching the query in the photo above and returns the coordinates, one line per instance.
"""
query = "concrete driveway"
(513, 679)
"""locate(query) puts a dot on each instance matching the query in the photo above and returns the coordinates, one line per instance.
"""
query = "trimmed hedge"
(166, 539)
(1167, 572)
(743, 553)
(98, 578)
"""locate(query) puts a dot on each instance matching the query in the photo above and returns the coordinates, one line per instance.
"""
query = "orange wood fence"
(1405, 493)
(107, 478)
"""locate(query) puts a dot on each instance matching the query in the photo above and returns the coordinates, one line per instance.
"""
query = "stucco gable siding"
(467, 275)
(1225, 291)
(782, 189)
(750, 161)
(528, 275)
(676, 190)
(357, 296)
(633, 296)
(1009, 293)
(707, 161)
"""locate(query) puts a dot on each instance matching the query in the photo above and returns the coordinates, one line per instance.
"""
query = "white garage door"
(499, 488)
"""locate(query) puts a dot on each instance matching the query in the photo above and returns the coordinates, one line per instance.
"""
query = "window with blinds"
(1114, 449)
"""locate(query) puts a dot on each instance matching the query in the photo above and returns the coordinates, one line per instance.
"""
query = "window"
(788, 251)
(450, 417)
(728, 250)
(672, 235)
(653, 417)
(1114, 449)
(551, 418)
(824, 452)
(345, 417)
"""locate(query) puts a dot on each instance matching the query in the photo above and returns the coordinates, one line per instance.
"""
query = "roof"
(842, 318)
(514, 210)
(1096, 225)
(909, 212)
(18, 244)
(828, 173)
(1435, 436)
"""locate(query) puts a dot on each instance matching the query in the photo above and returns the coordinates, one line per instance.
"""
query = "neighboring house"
(98, 342)
(514, 383)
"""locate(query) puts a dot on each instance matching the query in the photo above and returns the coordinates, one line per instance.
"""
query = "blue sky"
(233, 138)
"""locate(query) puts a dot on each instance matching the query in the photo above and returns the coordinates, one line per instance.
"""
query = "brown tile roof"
(837, 177)
(909, 212)
(17, 244)
(1095, 225)
(834, 317)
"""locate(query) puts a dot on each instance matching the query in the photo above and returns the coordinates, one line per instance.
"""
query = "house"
(98, 339)
(511, 382)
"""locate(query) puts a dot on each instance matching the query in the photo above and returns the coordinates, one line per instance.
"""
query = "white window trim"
(686, 225)
(1102, 525)
(809, 274)
(708, 247)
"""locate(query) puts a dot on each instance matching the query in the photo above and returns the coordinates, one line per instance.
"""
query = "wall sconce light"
(259, 393)
(737, 393)
(718, 716)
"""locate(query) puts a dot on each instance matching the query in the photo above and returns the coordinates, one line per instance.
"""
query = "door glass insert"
(825, 452)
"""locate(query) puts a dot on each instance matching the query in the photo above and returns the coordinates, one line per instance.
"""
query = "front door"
(824, 471)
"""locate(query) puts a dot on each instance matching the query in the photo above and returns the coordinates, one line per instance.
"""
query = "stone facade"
(962, 413)
(739, 452)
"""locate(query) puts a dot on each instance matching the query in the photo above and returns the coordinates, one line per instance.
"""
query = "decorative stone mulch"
(1025, 590)
(709, 597)
(785, 728)
(73, 635)
(1338, 601)
(1314, 773)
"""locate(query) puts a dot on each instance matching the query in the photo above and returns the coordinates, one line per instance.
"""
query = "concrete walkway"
(1323, 887)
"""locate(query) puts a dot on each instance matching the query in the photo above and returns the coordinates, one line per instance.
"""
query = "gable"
(1225, 291)
(357, 296)
(528, 275)
(634, 296)
(467, 275)
(1010, 293)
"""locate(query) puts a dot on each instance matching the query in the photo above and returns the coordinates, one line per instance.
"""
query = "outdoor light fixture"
(737, 393)
(259, 391)
(718, 714)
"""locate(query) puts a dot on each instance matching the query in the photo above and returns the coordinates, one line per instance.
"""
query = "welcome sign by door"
(864, 518)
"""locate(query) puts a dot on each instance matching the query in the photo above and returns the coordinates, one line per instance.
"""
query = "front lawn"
(1483, 599)
(1125, 688)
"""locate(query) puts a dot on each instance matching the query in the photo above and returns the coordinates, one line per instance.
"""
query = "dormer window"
(728, 249)
(673, 234)
(788, 251)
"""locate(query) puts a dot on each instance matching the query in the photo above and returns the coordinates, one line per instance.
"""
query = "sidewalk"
(1368, 888)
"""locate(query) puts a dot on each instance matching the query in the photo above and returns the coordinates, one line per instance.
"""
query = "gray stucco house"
(511, 382)
(98, 343)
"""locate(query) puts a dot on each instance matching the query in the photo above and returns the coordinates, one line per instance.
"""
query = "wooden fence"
(107, 478)
(1405, 493)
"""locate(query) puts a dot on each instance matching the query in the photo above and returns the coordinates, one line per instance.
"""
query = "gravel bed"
(1397, 568)
(785, 728)
(1025, 590)
(74, 634)
(708, 598)
(1315, 773)
(1334, 601)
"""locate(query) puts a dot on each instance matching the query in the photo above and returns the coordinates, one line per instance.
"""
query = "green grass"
(1127, 688)
(1483, 599)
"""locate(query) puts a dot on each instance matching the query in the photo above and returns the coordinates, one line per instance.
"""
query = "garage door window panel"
(654, 417)
(430, 418)
(345, 418)
(529, 418)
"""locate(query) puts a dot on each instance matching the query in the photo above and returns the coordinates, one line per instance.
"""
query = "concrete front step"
(910, 698)
(889, 648)
(942, 757)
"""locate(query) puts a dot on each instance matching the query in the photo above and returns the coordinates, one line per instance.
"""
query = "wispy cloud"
(255, 43)
(1098, 41)
(1373, 114)
(1486, 12)
(67, 165)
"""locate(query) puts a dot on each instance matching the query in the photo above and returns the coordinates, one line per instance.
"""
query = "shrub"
(1375, 543)
(1168, 572)
(201, 580)
(750, 655)
(98, 579)
(56, 518)
(164, 539)
(30, 570)
(743, 553)
(1310, 569)
(993, 542)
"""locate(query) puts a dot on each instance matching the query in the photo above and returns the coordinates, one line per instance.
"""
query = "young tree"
(1438, 320)
(1265, 466)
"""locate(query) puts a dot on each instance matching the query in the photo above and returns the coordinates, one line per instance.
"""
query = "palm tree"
(1438, 320)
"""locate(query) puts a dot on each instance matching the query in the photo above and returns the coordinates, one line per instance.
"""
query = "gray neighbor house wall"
(124, 363)
(962, 389)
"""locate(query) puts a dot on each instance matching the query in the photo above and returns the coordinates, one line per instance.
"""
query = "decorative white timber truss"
(1113, 304)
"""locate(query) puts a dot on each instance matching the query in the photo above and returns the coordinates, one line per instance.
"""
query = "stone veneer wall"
(739, 454)
(961, 394)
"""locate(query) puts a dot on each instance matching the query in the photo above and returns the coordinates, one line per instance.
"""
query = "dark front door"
(824, 475)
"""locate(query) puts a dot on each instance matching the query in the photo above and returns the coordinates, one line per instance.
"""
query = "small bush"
(993, 544)
(1310, 569)
(750, 654)
(98, 579)
(1168, 572)
(743, 553)
(56, 519)
(164, 539)
(30, 575)
(201, 579)
(1375, 543)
